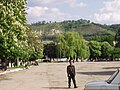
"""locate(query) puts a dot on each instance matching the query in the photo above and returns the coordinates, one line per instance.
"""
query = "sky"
(98, 11)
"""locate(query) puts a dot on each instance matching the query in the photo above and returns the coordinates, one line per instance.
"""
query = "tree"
(105, 38)
(95, 49)
(50, 50)
(81, 48)
(106, 50)
(117, 37)
(72, 45)
(35, 44)
(13, 27)
(61, 46)
(116, 53)
(70, 42)
(85, 52)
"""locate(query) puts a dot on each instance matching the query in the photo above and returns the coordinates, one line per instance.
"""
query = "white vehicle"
(113, 83)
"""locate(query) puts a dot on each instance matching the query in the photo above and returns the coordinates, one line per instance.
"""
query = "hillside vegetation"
(49, 30)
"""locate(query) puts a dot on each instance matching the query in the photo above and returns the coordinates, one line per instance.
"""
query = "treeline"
(73, 45)
(77, 23)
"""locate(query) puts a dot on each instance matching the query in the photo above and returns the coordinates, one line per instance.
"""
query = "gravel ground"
(53, 76)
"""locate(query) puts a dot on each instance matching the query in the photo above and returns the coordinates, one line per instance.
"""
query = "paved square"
(53, 76)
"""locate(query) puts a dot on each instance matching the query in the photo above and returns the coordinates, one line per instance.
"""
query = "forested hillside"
(90, 30)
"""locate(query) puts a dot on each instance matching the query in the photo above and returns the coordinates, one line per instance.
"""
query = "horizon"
(71, 20)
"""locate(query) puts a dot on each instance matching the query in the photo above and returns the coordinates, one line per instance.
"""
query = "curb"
(13, 70)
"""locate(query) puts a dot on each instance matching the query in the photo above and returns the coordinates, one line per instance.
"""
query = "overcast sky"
(99, 11)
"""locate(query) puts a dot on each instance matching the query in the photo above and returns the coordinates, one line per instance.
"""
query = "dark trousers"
(69, 81)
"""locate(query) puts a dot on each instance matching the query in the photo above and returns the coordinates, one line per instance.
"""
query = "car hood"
(96, 83)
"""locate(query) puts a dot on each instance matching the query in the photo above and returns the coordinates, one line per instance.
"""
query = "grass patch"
(16, 67)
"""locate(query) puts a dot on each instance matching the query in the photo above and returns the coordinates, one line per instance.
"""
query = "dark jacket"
(71, 71)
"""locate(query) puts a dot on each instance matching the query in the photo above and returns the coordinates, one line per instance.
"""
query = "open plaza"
(53, 76)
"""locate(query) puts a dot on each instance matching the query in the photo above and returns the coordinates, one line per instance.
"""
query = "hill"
(49, 30)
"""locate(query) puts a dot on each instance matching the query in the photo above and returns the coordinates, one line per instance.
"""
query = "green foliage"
(72, 45)
(50, 50)
(84, 27)
(14, 38)
(35, 46)
(117, 37)
(95, 49)
(104, 38)
(114, 27)
(116, 53)
(106, 50)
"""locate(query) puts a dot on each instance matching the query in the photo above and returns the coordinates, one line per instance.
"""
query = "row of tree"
(73, 45)
(17, 41)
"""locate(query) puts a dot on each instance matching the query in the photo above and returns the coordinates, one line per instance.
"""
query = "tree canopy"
(14, 42)
(117, 37)
(95, 49)
(71, 44)
(106, 50)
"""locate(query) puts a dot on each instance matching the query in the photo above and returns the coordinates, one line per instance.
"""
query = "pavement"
(52, 76)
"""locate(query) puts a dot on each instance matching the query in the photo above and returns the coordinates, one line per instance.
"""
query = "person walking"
(71, 73)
